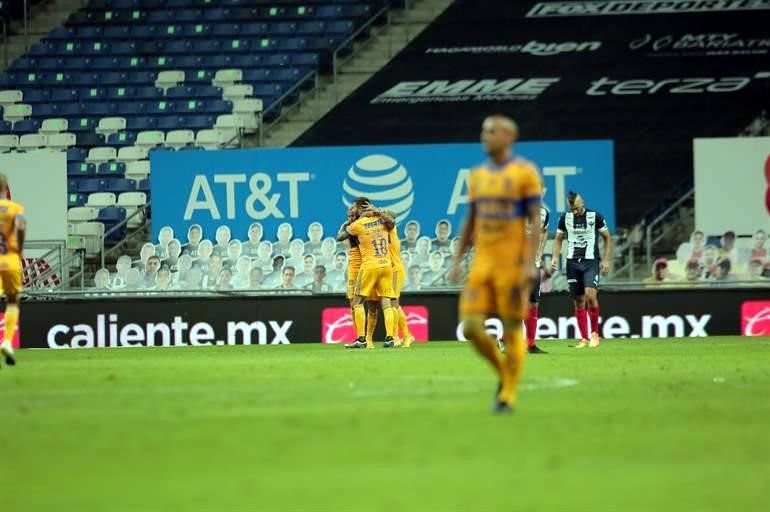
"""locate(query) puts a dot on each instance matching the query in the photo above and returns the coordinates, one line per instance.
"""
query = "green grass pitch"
(664, 425)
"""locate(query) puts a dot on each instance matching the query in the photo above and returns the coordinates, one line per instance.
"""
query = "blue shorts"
(582, 274)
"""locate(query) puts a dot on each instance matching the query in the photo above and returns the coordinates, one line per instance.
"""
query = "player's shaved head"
(498, 133)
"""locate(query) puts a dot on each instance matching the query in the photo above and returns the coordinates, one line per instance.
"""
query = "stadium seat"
(237, 92)
(32, 141)
(168, 79)
(74, 200)
(89, 139)
(26, 126)
(51, 126)
(249, 110)
(142, 123)
(144, 186)
(60, 141)
(17, 112)
(138, 170)
(121, 138)
(229, 126)
(8, 142)
(113, 169)
(225, 77)
(82, 214)
(10, 97)
(109, 125)
(101, 155)
(76, 154)
(132, 153)
(177, 139)
(150, 139)
(209, 139)
(101, 200)
(117, 186)
(80, 170)
(90, 235)
(132, 201)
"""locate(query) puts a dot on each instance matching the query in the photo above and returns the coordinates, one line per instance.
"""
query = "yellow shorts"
(492, 290)
(398, 281)
(375, 282)
(10, 275)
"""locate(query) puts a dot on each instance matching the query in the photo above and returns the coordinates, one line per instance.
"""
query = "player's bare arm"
(533, 216)
(343, 234)
(21, 232)
(466, 241)
(557, 241)
(605, 265)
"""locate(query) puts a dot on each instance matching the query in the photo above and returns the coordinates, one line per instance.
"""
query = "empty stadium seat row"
(186, 46)
(133, 15)
(160, 62)
(114, 185)
(196, 29)
(31, 141)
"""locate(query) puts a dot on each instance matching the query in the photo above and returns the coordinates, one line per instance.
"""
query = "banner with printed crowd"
(291, 202)
(650, 75)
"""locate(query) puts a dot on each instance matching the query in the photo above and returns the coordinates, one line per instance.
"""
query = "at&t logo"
(382, 179)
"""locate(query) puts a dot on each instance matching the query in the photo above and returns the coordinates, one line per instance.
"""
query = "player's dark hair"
(571, 196)
(361, 201)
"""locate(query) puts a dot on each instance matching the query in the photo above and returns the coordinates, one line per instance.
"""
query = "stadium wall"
(178, 321)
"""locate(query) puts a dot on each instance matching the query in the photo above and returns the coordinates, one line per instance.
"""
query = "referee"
(582, 228)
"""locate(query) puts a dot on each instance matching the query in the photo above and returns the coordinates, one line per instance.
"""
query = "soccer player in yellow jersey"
(504, 194)
(399, 276)
(376, 275)
(13, 228)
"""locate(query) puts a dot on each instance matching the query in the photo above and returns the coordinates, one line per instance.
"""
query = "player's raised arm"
(343, 233)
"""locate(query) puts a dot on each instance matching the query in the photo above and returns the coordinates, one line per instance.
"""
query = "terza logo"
(107, 332)
(713, 43)
(466, 90)
(653, 326)
(260, 201)
(605, 85)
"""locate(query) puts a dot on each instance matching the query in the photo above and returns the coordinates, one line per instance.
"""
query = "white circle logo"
(383, 180)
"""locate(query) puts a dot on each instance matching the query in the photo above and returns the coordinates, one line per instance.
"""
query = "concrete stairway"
(371, 56)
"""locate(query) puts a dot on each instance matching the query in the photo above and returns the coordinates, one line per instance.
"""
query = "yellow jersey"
(372, 242)
(501, 196)
(9, 243)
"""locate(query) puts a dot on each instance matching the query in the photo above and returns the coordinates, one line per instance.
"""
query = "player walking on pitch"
(13, 228)
(504, 193)
(541, 232)
(582, 227)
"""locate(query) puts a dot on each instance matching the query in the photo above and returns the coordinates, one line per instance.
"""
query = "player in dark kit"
(582, 228)
(534, 297)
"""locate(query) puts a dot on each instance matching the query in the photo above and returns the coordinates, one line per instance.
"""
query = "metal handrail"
(277, 103)
(53, 258)
(335, 54)
(660, 218)
(121, 225)
(5, 43)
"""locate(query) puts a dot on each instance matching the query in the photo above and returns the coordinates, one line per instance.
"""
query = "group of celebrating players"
(507, 227)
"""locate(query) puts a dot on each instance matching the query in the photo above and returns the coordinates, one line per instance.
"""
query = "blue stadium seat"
(26, 126)
(80, 170)
(92, 94)
(97, 109)
(199, 122)
(197, 30)
(84, 32)
(120, 139)
(111, 217)
(148, 93)
(61, 33)
(279, 59)
(218, 107)
(116, 185)
(74, 199)
(89, 139)
(71, 109)
(45, 110)
(5, 126)
(79, 123)
(142, 123)
(117, 32)
(199, 76)
(112, 169)
(88, 186)
(37, 96)
(130, 108)
(161, 107)
(144, 186)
